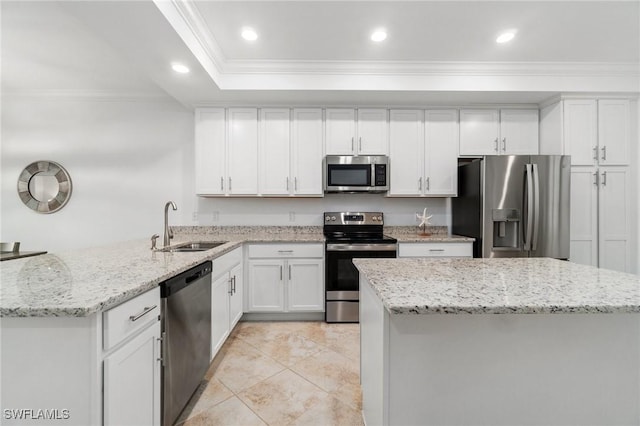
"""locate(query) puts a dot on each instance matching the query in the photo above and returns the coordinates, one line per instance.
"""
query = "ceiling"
(319, 52)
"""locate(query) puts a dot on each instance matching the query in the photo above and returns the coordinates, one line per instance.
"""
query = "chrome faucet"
(168, 235)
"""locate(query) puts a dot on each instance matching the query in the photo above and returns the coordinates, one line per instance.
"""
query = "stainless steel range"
(350, 235)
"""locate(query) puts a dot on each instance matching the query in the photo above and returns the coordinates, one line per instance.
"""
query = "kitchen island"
(498, 342)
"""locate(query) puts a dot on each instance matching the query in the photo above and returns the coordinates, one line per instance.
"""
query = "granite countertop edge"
(422, 286)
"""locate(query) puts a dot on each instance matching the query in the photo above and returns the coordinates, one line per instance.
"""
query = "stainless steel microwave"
(362, 173)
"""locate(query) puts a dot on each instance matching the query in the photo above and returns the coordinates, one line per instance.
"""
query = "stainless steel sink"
(194, 246)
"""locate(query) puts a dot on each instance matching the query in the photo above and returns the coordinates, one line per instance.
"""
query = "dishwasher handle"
(184, 279)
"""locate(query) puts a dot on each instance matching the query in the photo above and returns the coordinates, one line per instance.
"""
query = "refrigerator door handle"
(536, 207)
(528, 223)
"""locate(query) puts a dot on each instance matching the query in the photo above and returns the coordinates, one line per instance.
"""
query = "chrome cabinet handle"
(163, 347)
(289, 272)
(360, 143)
(234, 284)
(287, 183)
(428, 184)
(595, 178)
(436, 249)
(285, 251)
(159, 340)
(230, 286)
(146, 310)
(604, 153)
(496, 145)
(595, 152)
(352, 140)
(420, 184)
(229, 183)
(604, 178)
(221, 183)
(295, 184)
(280, 272)
(504, 144)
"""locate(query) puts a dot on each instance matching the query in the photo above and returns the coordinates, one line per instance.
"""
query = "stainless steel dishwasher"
(186, 334)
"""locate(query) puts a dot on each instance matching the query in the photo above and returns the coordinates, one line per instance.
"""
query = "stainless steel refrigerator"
(514, 206)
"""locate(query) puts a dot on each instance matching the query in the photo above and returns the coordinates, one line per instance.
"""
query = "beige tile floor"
(282, 373)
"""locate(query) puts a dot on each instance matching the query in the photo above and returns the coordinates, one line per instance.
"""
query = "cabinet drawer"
(435, 250)
(126, 319)
(286, 250)
(227, 261)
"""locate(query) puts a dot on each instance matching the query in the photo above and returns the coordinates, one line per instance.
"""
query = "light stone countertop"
(499, 286)
(82, 282)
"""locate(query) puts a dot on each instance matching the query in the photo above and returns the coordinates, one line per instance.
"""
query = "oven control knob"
(380, 218)
(327, 218)
(333, 218)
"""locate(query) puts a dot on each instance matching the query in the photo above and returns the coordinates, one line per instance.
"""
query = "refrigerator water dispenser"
(506, 228)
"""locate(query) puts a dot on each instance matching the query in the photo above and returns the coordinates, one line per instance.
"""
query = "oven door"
(342, 280)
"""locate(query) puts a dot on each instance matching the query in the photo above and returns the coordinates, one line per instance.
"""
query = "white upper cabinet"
(613, 132)
(519, 130)
(290, 152)
(441, 153)
(423, 152)
(406, 152)
(369, 135)
(210, 134)
(580, 131)
(306, 152)
(274, 152)
(373, 132)
(597, 132)
(242, 151)
(498, 132)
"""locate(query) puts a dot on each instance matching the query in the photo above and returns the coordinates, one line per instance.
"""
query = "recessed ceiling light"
(506, 36)
(180, 68)
(379, 35)
(249, 34)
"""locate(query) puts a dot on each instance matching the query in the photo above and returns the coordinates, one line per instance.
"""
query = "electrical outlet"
(292, 216)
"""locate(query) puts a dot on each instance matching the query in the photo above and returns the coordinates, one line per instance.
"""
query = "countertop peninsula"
(499, 286)
(82, 282)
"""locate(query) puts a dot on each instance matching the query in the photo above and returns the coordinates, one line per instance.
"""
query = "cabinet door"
(441, 153)
(305, 287)
(373, 132)
(235, 301)
(479, 129)
(242, 145)
(614, 219)
(580, 131)
(583, 231)
(340, 129)
(306, 148)
(210, 151)
(266, 286)
(406, 149)
(613, 132)
(132, 381)
(519, 132)
(220, 289)
(274, 152)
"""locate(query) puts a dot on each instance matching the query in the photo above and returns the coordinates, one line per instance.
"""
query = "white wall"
(126, 158)
(308, 211)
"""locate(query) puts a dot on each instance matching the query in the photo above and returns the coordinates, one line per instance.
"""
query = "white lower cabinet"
(226, 297)
(132, 381)
(600, 217)
(285, 278)
(462, 249)
(131, 370)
